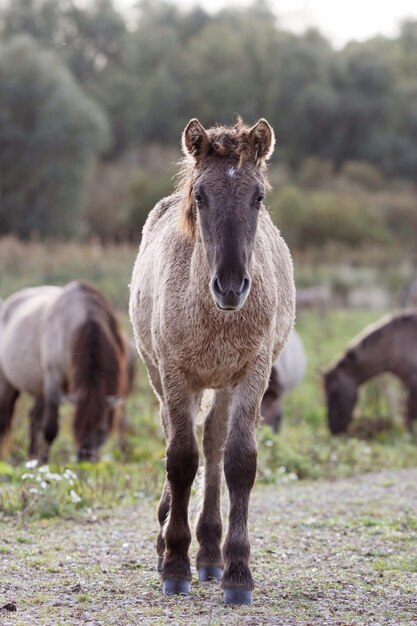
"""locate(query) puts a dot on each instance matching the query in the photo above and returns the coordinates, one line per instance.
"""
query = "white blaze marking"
(231, 171)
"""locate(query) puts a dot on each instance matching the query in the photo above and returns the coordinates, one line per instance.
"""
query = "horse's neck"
(373, 357)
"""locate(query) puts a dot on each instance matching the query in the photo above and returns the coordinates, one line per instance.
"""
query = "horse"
(286, 374)
(212, 302)
(57, 342)
(390, 345)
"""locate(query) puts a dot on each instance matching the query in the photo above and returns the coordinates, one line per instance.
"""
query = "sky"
(340, 21)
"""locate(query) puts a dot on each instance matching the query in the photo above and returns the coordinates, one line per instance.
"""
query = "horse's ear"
(262, 141)
(194, 139)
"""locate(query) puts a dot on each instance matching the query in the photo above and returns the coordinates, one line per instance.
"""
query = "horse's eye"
(197, 198)
(260, 198)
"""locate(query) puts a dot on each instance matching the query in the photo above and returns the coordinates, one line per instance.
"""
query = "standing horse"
(212, 303)
(388, 346)
(57, 341)
(287, 372)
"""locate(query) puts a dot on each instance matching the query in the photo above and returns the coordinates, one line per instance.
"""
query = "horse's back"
(21, 326)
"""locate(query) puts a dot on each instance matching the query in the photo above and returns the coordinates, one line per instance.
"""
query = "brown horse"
(57, 341)
(212, 304)
(388, 346)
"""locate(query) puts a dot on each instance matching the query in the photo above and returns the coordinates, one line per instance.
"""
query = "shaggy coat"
(212, 304)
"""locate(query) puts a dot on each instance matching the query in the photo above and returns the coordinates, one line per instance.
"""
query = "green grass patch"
(132, 465)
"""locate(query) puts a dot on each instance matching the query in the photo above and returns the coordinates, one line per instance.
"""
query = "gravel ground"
(325, 553)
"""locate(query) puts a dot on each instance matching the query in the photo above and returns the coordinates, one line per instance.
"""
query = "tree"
(50, 133)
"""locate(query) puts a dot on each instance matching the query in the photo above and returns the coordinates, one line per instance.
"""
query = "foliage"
(146, 189)
(49, 134)
(313, 218)
(159, 65)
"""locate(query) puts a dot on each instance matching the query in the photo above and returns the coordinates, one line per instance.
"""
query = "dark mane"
(231, 143)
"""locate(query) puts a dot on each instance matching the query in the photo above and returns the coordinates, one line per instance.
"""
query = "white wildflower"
(53, 476)
(33, 490)
(70, 474)
(26, 476)
(74, 496)
(31, 464)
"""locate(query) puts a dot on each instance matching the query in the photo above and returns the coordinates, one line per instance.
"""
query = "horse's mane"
(225, 142)
(370, 334)
(98, 363)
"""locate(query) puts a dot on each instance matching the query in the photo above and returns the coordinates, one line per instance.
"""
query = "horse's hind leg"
(50, 418)
(8, 397)
(165, 501)
(209, 526)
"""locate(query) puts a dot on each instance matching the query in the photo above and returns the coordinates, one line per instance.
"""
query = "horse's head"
(341, 392)
(225, 192)
(95, 414)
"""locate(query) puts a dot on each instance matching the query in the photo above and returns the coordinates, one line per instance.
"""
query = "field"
(132, 462)
(59, 521)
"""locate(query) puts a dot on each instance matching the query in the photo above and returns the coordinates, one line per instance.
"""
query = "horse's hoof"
(237, 596)
(160, 562)
(173, 587)
(209, 573)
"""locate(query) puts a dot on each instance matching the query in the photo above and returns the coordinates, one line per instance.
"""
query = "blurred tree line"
(82, 82)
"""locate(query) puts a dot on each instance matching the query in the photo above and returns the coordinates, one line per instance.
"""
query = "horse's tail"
(98, 372)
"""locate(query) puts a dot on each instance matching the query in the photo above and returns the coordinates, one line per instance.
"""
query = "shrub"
(363, 174)
(316, 218)
(145, 190)
(315, 172)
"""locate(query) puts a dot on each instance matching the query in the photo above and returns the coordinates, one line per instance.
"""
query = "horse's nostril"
(244, 287)
(217, 287)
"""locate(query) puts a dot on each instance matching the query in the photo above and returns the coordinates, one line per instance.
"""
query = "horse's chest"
(213, 357)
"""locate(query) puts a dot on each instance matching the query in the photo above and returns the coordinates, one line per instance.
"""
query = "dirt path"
(322, 553)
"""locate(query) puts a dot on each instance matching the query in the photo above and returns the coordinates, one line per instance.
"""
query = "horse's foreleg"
(411, 416)
(181, 468)
(36, 419)
(240, 471)
(50, 419)
(8, 397)
(209, 526)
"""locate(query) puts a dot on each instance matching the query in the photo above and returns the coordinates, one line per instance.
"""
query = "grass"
(132, 464)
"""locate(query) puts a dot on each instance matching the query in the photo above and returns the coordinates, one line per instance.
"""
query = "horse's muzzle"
(229, 297)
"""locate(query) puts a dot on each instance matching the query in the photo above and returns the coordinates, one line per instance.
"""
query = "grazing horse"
(57, 341)
(212, 303)
(287, 372)
(387, 346)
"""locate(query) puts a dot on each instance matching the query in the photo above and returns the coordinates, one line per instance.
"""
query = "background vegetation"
(83, 83)
(132, 464)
